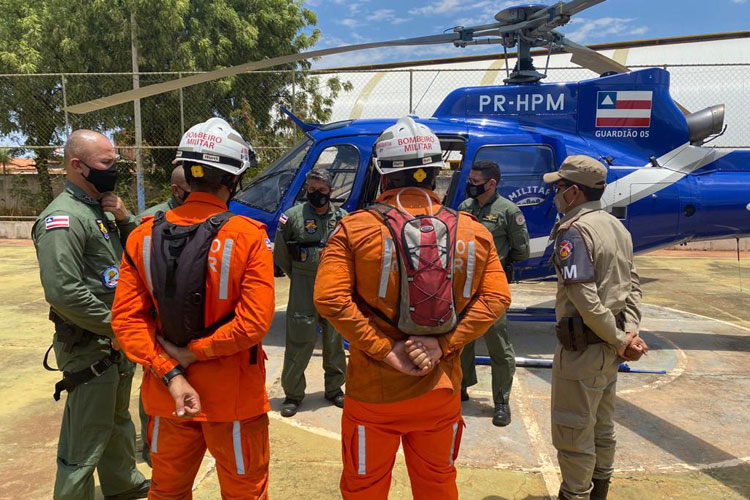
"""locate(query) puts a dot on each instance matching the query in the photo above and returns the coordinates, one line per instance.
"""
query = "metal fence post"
(182, 108)
(140, 191)
(294, 90)
(411, 91)
(65, 107)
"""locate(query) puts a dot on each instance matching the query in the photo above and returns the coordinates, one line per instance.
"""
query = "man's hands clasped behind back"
(416, 356)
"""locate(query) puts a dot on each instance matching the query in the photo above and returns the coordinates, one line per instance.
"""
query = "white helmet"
(216, 144)
(407, 145)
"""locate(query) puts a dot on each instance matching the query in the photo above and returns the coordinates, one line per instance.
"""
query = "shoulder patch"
(283, 219)
(57, 222)
(269, 245)
(520, 219)
(110, 276)
(573, 257)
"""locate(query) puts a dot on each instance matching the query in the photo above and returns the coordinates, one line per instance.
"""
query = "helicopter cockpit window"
(266, 190)
(341, 161)
(521, 171)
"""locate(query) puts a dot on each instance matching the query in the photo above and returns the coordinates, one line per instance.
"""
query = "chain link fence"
(34, 123)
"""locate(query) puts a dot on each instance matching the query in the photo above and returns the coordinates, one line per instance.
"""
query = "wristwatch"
(177, 370)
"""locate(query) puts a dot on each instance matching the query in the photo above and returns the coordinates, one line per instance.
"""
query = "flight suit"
(79, 249)
(229, 373)
(149, 212)
(384, 407)
(508, 227)
(161, 207)
(299, 240)
(597, 282)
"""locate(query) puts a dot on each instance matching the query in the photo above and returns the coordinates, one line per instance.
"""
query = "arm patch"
(573, 257)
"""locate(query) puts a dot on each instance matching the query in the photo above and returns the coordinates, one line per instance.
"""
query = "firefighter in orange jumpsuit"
(389, 399)
(209, 394)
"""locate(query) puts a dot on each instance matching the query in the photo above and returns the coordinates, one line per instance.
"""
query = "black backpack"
(179, 257)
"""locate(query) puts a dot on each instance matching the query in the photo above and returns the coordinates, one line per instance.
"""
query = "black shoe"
(464, 394)
(140, 491)
(561, 496)
(502, 414)
(289, 407)
(601, 487)
(337, 400)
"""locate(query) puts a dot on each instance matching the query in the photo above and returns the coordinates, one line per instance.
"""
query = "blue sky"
(346, 22)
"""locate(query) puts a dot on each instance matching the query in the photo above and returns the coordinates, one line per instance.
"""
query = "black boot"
(502, 414)
(561, 495)
(464, 394)
(289, 407)
(140, 491)
(601, 487)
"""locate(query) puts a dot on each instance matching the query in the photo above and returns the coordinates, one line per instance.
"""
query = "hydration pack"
(179, 257)
(425, 249)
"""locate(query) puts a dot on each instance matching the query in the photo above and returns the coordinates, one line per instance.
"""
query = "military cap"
(580, 169)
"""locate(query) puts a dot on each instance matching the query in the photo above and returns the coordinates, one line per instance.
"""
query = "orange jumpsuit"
(233, 424)
(383, 405)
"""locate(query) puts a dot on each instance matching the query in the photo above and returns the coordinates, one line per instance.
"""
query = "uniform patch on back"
(57, 222)
(573, 257)
(110, 276)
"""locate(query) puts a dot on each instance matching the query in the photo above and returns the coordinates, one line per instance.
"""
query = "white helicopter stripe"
(647, 180)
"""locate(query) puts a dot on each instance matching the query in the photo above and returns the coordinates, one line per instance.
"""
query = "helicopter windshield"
(267, 189)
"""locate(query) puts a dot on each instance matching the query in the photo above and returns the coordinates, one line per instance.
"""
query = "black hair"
(405, 178)
(489, 169)
(591, 194)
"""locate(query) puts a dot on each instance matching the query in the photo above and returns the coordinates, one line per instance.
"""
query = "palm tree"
(5, 158)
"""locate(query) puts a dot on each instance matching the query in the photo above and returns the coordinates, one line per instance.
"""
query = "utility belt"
(295, 248)
(71, 336)
(575, 335)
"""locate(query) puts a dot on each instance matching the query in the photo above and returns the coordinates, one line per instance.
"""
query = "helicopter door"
(521, 171)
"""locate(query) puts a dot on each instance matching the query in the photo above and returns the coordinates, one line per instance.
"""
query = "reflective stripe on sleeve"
(386, 270)
(147, 262)
(470, 264)
(453, 441)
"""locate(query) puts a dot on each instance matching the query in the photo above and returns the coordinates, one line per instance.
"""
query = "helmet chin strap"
(424, 192)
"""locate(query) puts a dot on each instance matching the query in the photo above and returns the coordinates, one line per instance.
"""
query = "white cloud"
(587, 30)
(440, 7)
(382, 15)
(739, 1)
(348, 22)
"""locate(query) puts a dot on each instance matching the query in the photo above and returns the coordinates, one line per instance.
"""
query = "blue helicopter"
(663, 184)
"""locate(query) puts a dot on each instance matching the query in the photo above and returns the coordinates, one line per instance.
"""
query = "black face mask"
(103, 181)
(318, 199)
(476, 190)
(184, 197)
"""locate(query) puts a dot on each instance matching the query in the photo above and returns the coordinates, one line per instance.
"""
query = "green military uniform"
(79, 248)
(508, 227)
(161, 207)
(597, 283)
(299, 240)
(143, 416)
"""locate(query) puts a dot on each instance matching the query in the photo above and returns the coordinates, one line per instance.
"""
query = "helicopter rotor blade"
(591, 59)
(159, 88)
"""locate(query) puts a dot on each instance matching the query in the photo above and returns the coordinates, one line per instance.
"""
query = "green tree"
(5, 158)
(86, 36)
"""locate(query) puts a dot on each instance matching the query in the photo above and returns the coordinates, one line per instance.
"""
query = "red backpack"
(426, 247)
